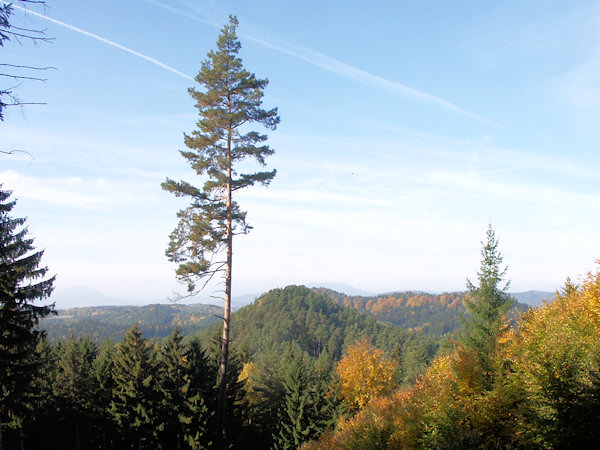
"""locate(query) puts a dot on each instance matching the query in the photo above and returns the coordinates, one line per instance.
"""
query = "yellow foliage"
(365, 374)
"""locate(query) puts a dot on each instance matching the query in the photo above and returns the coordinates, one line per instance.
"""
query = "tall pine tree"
(486, 306)
(22, 282)
(202, 244)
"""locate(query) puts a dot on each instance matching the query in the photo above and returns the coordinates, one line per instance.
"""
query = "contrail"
(342, 69)
(347, 71)
(106, 41)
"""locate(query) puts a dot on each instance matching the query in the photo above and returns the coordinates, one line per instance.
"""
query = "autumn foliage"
(545, 389)
(364, 374)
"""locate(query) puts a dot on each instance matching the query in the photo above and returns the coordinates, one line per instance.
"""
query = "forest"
(307, 371)
(299, 367)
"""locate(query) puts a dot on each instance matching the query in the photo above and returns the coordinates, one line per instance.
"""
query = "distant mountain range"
(85, 296)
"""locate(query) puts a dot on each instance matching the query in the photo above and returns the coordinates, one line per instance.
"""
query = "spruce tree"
(75, 386)
(228, 103)
(299, 420)
(486, 306)
(102, 371)
(200, 396)
(22, 282)
(183, 410)
(134, 404)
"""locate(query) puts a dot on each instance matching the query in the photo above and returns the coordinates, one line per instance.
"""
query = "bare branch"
(27, 36)
(25, 103)
(12, 152)
(28, 67)
(20, 77)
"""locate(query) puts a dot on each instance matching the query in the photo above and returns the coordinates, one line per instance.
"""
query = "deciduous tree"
(364, 374)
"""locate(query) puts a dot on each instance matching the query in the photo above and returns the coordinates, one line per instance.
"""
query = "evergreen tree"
(487, 306)
(202, 243)
(102, 371)
(21, 284)
(184, 411)
(45, 428)
(299, 420)
(75, 386)
(200, 396)
(134, 404)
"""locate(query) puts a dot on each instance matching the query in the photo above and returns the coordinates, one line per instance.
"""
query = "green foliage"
(183, 411)
(75, 385)
(300, 415)
(200, 397)
(135, 398)
(298, 314)
(230, 100)
(21, 284)
(486, 306)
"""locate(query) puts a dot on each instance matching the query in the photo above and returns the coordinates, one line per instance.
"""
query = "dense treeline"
(112, 322)
(133, 394)
(284, 386)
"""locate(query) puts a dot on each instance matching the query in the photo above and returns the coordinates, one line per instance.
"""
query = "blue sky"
(406, 127)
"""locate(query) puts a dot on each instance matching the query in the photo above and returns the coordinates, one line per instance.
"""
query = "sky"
(406, 128)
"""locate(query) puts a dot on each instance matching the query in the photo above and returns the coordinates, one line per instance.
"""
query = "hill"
(301, 317)
(156, 321)
(534, 298)
(430, 314)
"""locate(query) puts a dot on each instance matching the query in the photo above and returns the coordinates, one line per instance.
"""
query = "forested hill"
(112, 322)
(431, 314)
(311, 320)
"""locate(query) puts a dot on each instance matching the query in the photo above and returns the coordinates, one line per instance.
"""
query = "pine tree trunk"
(21, 439)
(222, 397)
(77, 436)
(1, 446)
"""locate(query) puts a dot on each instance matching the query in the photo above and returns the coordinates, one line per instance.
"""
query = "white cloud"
(62, 191)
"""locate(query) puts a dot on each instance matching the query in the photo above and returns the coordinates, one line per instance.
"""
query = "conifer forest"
(300, 367)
